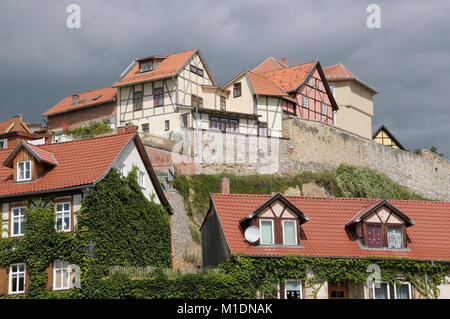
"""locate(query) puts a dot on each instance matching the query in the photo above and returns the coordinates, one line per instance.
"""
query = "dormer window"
(24, 171)
(381, 226)
(145, 66)
(266, 227)
(279, 223)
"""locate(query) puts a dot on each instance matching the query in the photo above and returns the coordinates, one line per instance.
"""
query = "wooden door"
(338, 291)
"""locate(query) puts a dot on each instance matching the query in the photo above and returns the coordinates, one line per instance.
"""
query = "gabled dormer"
(279, 222)
(29, 162)
(149, 64)
(381, 226)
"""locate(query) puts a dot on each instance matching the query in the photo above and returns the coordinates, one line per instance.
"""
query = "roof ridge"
(339, 198)
(106, 87)
(87, 139)
(292, 66)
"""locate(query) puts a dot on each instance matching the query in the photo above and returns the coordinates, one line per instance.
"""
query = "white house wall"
(130, 157)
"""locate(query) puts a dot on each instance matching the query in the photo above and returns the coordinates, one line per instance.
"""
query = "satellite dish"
(252, 234)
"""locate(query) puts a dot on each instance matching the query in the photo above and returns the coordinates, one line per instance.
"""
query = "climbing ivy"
(264, 272)
(127, 229)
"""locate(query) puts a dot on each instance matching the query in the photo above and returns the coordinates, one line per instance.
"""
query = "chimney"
(126, 129)
(225, 185)
(285, 61)
(75, 98)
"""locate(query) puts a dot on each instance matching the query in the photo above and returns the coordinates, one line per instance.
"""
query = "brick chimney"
(285, 61)
(225, 185)
(126, 129)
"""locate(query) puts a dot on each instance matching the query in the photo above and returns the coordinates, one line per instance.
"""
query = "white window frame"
(24, 179)
(5, 143)
(141, 179)
(64, 285)
(324, 108)
(295, 229)
(21, 231)
(273, 233)
(409, 289)
(388, 290)
(388, 239)
(18, 273)
(305, 101)
(62, 212)
(296, 280)
(122, 169)
(311, 81)
(320, 85)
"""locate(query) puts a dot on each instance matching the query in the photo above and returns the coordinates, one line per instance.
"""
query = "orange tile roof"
(167, 68)
(14, 124)
(289, 79)
(80, 162)
(325, 233)
(269, 64)
(40, 154)
(263, 86)
(340, 72)
(87, 99)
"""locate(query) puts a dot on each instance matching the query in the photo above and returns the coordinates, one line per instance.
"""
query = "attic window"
(146, 66)
(24, 171)
(3, 144)
(196, 70)
(237, 89)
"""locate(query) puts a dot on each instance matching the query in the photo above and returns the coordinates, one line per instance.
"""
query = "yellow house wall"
(243, 103)
(355, 107)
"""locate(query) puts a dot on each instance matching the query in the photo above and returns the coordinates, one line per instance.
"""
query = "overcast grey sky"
(407, 60)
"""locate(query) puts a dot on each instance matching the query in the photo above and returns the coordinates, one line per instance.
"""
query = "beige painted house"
(354, 98)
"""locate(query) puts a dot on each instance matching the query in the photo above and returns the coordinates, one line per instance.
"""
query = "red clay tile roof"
(80, 162)
(326, 235)
(340, 72)
(14, 124)
(167, 68)
(269, 64)
(289, 79)
(87, 99)
(263, 86)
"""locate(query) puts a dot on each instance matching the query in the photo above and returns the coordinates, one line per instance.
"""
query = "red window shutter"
(374, 236)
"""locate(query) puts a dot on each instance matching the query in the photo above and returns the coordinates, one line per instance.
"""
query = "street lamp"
(90, 253)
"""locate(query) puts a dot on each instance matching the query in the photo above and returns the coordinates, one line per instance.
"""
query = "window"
(305, 101)
(293, 289)
(159, 96)
(17, 278)
(380, 292)
(23, 171)
(223, 103)
(122, 170)
(237, 89)
(224, 124)
(196, 70)
(311, 81)
(262, 129)
(137, 101)
(146, 128)
(289, 232)
(142, 179)
(146, 66)
(18, 218)
(167, 125)
(63, 216)
(395, 237)
(374, 236)
(61, 275)
(402, 291)
(196, 101)
(266, 227)
(3, 144)
(320, 85)
(324, 109)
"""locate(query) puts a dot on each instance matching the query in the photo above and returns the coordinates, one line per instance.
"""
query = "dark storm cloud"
(407, 61)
